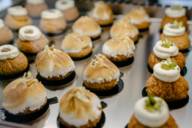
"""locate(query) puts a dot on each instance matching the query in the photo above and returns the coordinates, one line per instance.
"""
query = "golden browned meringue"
(6, 33)
(80, 108)
(53, 64)
(24, 95)
(87, 26)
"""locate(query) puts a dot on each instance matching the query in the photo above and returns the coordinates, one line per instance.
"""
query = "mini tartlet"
(52, 22)
(80, 108)
(35, 7)
(101, 74)
(163, 50)
(176, 33)
(151, 112)
(54, 65)
(25, 99)
(173, 13)
(77, 46)
(68, 8)
(17, 17)
(102, 13)
(166, 82)
(87, 26)
(119, 49)
(124, 28)
(6, 34)
(12, 61)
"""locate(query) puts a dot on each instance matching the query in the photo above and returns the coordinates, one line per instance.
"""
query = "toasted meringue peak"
(101, 69)
(78, 106)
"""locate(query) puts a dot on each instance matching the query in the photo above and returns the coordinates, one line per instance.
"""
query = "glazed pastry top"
(17, 11)
(165, 49)
(29, 93)
(64, 4)
(119, 46)
(100, 69)
(167, 71)
(175, 11)
(1, 23)
(51, 14)
(75, 42)
(35, 1)
(8, 52)
(78, 106)
(174, 29)
(29, 33)
(151, 111)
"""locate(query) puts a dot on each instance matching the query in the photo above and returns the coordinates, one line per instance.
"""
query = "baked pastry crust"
(71, 14)
(83, 53)
(35, 10)
(6, 35)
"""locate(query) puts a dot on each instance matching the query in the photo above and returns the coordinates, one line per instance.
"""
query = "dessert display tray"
(120, 106)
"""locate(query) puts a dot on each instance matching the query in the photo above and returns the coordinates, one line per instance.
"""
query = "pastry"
(176, 33)
(102, 13)
(79, 108)
(35, 7)
(87, 26)
(25, 99)
(12, 61)
(6, 34)
(175, 12)
(17, 17)
(123, 28)
(68, 8)
(166, 82)
(100, 74)
(77, 46)
(151, 112)
(119, 49)
(52, 22)
(163, 50)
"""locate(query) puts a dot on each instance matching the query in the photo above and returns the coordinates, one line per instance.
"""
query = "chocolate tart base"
(144, 30)
(185, 50)
(95, 38)
(30, 56)
(82, 58)
(124, 63)
(172, 104)
(49, 34)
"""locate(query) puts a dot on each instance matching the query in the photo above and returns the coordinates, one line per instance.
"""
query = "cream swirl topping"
(64, 4)
(175, 11)
(8, 52)
(173, 29)
(1, 23)
(17, 11)
(51, 14)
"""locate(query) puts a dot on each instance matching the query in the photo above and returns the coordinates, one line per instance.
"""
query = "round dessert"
(52, 22)
(31, 40)
(68, 8)
(25, 99)
(102, 13)
(138, 17)
(163, 50)
(176, 33)
(79, 108)
(12, 61)
(124, 28)
(77, 46)
(35, 7)
(6, 34)
(167, 83)
(87, 26)
(175, 12)
(54, 65)
(100, 74)
(17, 17)
(151, 112)
(119, 50)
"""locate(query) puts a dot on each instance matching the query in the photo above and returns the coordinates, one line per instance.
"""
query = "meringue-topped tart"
(79, 108)
(77, 46)
(6, 34)
(151, 112)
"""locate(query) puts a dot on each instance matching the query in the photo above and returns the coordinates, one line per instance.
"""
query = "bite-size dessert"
(25, 99)
(102, 13)
(100, 74)
(52, 22)
(6, 34)
(151, 112)
(12, 61)
(77, 46)
(119, 50)
(35, 7)
(166, 82)
(68, 8)
(163, 50)
(176, 33)
(80, 108)
(17, 17)
(124, 28)
(87, 26)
